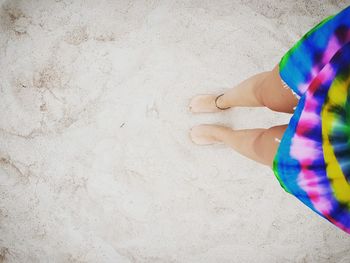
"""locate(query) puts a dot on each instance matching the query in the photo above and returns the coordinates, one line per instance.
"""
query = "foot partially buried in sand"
(205, 103)
(206, 134)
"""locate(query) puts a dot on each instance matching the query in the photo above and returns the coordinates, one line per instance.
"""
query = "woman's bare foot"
(205, 134)
(205, 103)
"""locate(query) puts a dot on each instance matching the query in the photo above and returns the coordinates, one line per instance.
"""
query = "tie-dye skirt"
(313, 159)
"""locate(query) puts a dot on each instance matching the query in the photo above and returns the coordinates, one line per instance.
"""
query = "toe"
(193, 106)
(194, 135)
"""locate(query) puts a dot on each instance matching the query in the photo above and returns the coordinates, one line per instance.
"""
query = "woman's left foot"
(205, 103)
(205, 134)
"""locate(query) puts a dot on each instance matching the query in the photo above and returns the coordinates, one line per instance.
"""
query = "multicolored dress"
(313, 159)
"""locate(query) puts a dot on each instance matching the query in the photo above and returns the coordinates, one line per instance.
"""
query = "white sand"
(96, 162)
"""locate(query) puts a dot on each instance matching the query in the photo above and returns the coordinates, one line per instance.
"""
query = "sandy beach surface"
(96, 163)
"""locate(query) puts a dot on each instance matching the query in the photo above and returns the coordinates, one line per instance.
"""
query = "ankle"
(221, 102)
(222, 133)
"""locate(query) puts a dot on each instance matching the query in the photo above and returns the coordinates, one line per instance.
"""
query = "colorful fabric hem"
(313, 159)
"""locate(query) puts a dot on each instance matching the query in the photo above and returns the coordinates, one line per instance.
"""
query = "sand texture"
(96, 163)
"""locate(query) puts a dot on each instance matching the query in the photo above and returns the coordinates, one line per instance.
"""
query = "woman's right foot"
(205, 103)
(205, 134)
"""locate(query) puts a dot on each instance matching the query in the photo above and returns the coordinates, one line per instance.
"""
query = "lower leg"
(259, 145)
(263, 89)
(245, 94)
(242, 141)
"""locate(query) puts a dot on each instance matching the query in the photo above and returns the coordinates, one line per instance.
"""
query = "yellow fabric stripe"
(337, 96)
